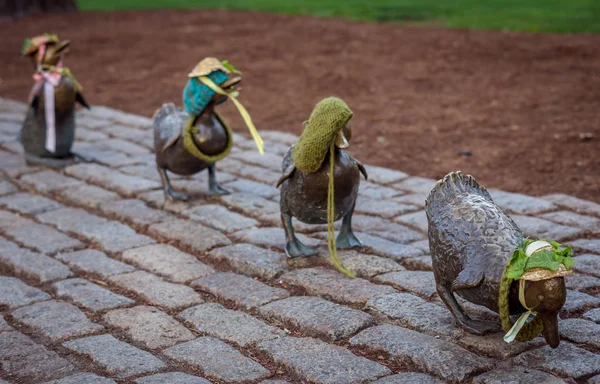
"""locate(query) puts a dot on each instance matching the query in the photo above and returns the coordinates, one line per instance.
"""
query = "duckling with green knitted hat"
(191, 140)
(320, 181)
(479, 253)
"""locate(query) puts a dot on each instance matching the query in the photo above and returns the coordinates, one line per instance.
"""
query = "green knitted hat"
(325, 121)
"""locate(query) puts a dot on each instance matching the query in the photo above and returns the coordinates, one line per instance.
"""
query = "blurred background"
(506, 90)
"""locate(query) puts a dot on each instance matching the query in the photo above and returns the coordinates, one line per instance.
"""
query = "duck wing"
(81, 100)
(362, 169)
(287, 174)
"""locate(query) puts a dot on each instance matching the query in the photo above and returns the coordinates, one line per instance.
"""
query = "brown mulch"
(527, 106)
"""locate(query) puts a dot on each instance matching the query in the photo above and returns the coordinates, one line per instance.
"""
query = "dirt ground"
(526, 106)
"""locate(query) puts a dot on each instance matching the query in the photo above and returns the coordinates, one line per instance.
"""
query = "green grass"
(521, 15)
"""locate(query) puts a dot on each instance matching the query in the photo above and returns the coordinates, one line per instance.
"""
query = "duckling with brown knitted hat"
(480, 254)
(321, 180)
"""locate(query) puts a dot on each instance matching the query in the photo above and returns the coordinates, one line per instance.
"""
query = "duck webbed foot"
(475, 327)
(170, 193)
(293, 246)
(346, 238)
(214, 189)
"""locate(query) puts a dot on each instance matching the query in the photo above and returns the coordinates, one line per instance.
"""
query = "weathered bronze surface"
(471, 241)
(304, 195)
(171, 155)
(33, 133)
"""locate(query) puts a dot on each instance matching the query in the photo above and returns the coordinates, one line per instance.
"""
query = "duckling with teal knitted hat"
(191, 140)
(320, 181)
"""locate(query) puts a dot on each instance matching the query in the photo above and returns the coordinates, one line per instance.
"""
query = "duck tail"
(162, 113)
(453, 184)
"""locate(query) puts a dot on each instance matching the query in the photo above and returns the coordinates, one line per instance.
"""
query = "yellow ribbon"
(245, 115)
(331, 216)
(512, 333)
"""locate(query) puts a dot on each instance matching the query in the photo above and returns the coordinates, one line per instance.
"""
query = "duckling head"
(45, 49)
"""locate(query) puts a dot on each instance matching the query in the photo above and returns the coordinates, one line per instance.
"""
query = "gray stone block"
(438, 357)
(386, 248)
(376, 226)
(252, 187)
(149, 326)
(134, 211)
(571, 219)
(588, 263)
(172, 378)
(544, 229)
(382, 175)
(519, 203)
(217, 360)
(83, 378)
(316, 317)
(43, 238)
(6, 188)
(421, 283)
(234, 326)
(409, 378)
(14, 293)
(590, 245)
(38, 267)
(566, 360)
(593, 315)
(10, 220)
(243, 291)
(251, 260)
(89, 295)
(384, 208)
(377, 192)
(56, 320)
(575, 204)
(115, 357)
(90, 196)
(127, 185)
(579, 301)
(169, 262)
(29, 204)
(362, 264)
(317, 362)
(220, 218)
(94, 262)
(273, 238)
(416, 184)
(48, 181)
(157, 291)
(192, 234)
(517, 375)
(580, 331)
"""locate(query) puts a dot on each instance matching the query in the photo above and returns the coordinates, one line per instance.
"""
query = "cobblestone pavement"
(101, 282)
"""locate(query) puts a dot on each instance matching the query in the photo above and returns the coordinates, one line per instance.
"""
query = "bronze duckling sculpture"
(49, 128)
(320, 181)
(479, 253)
(191, 140)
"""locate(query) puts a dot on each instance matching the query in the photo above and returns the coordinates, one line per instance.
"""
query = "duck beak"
(341, 141)
(550, 322)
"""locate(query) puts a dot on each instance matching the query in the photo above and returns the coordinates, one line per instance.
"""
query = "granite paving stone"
(157, 291)
(335, 286)
(220, 218)
(48, 181)
(419, 263)
(251, 260)
(267, 160)
(148, 326)
(29, 204)
(519, 203)
(43, 238)
(134, 211)
(115, 357)
(409, 378)
(254, 206)
(421, 283)
(94, 262)
(314, 361)
(279, 137)
(587, 263)
(409, 310)
(382, 175)
(36, 266)
(6, 188)
(387, 248)
(579, 301)
(14, 293)
(362, 264)
(386, 229)
(167, 261)
(22, 360)
(89, 295)
(171, 378)
(590, 245)
(416, 220)
(124, 146)
(316, 317)
(114, 115)
(573, 220)
(384, 208)
(119, 182)
(83, 378)
(567, 360)
(259, 174)
(580, 331)
(86, 195)
(234, 326)
(416, 199)
(416, 184)
(544, 229)
(441, 358)
(72, 220)
(377, 192)
(243, 291)
(192, 234)
(517, 375)
(594, 380)
(593, 315)
(11, 220)
(252, 187)
(575, 204)
(145, 171)
(14, 165)
(270, 238)
(56, 320)
(217, 360)
(83, 134)
(580, 282)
